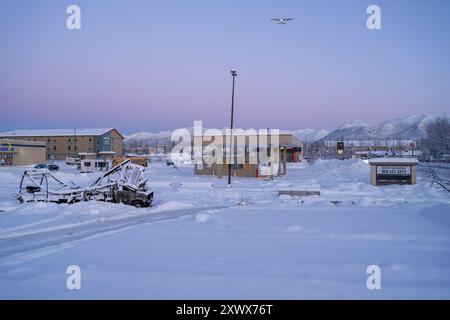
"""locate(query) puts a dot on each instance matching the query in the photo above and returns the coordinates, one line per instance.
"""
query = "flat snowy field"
(202, 240)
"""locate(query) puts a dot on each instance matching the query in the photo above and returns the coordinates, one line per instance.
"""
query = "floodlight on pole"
(231, 152)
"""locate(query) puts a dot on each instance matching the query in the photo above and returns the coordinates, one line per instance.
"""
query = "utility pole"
(233, 74)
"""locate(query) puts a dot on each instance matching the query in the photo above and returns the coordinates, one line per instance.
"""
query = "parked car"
(51, 167)
(41, 166)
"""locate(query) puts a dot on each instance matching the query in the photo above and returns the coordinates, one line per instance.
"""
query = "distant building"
(62, 143)
(367, 148)
(20, 153)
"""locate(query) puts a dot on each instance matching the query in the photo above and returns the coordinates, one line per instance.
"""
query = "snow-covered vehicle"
(122, 184)
(92, 165)
(72, 161)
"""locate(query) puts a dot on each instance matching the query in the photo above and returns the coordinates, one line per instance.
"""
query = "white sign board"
(394, 170)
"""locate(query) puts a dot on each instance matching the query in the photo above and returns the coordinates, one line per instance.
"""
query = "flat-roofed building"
(62, 143)
(21, 153)
(290, 149)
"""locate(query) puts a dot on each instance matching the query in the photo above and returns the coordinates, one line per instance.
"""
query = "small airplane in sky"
(282, 20)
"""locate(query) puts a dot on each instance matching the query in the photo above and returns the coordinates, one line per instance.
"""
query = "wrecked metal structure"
(122, 184)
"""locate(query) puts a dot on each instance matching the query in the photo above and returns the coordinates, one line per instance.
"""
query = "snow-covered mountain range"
(310, 135)
(406, 128)
(150, 138)
(163, 137)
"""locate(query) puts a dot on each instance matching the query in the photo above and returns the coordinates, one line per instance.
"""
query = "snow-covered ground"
(204, 240)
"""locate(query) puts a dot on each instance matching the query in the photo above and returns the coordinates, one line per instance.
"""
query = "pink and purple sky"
(143, 65)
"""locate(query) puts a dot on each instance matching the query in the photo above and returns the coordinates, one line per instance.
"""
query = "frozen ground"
(204, 240)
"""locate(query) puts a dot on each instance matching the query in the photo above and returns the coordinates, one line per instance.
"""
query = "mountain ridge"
(411, 127)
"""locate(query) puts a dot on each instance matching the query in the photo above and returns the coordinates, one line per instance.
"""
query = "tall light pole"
(233, 74)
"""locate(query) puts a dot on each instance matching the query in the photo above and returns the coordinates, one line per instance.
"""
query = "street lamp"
(233, 74)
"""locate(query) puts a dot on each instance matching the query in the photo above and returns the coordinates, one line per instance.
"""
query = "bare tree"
(437, 141)
(439, 179)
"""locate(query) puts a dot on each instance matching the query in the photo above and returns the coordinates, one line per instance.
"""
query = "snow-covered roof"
(5, 142)
(55, 132)
(372, 143)
(86, 153)
(393, 161)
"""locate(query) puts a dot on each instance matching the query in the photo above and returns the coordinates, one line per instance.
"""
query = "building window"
(54, 148)
(237, 166)
(90, 139)
(69, 147)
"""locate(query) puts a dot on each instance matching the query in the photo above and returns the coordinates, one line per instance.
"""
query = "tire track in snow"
(20, 243)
